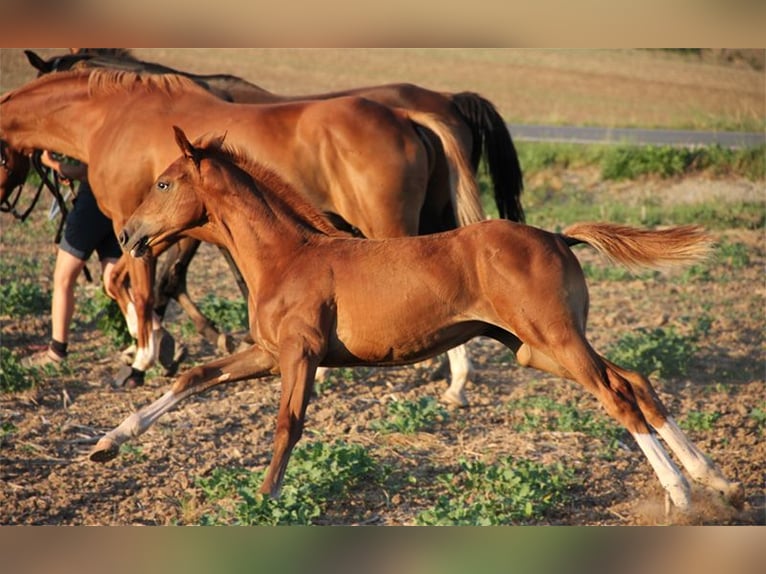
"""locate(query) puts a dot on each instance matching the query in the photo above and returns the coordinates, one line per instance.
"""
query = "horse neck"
(255, 232)
(50, 119)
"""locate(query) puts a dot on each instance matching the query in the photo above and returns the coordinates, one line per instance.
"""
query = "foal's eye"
(163, 185)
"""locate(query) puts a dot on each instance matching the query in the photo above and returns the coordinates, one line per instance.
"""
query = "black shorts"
(88, 230)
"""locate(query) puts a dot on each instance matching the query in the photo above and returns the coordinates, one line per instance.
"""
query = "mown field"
(379, 448)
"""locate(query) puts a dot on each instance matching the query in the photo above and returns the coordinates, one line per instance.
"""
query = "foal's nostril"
(123, 238)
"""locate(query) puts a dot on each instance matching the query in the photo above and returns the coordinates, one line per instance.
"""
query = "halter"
(48, 178)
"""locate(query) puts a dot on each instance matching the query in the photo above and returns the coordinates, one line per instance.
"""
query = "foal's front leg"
(299, 357)
(250, 363)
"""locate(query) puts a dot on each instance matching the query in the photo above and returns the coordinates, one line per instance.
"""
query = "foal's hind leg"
(697, 464)
(576, 360)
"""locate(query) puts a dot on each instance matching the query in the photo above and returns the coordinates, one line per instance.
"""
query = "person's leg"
(65, 274)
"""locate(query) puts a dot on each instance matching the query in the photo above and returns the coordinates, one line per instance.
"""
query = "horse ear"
(218, 141)
(183, 142)
(37, 62)
(187, 148)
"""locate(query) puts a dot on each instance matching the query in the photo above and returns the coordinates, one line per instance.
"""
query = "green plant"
(412, 416)
(660, 352)
(543, 413)
(317, 474)
(15, 377)
(105, 313)
(507, 492)
(699, 421)
(227, 314)
(20, 291)
(758, 414)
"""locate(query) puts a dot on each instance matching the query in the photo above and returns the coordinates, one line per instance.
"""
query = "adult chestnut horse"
(367, 164)
(321, 299)
(474, 121)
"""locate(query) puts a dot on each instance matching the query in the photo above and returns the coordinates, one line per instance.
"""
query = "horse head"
(14, 167)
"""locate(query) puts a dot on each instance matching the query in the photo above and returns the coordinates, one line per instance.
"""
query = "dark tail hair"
(493, 140)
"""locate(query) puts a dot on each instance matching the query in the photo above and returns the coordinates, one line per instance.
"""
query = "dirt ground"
(45, 477)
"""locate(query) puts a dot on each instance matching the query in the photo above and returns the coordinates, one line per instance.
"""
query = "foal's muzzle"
(137, 248)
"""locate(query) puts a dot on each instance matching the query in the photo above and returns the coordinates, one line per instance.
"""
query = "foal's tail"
(634, 247)
(466, 201)
(492, 140)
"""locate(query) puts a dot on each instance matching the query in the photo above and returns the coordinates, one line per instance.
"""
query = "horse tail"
(493, 140)
(635, 248)
(463, 187)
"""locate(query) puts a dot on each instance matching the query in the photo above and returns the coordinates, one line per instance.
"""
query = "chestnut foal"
(318, 298)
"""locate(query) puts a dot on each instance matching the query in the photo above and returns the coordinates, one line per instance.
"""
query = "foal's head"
(174, 204)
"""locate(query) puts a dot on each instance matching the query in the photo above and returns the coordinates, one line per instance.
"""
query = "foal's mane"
(274, 189)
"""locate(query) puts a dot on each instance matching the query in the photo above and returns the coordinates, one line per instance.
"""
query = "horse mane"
(103, 81)
(280, 193)
(108, 81)
(124, 53)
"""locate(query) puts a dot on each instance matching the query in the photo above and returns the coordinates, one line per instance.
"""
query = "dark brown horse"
(387, 172)
(321, 299)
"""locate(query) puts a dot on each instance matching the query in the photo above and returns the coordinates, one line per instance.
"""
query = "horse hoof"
(225, 344)
(104, 451)
(735, 495)
(166, 349)
(179, 356)
(455, 398)
(128, 378)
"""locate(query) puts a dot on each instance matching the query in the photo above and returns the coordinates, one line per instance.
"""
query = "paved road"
(637, 136)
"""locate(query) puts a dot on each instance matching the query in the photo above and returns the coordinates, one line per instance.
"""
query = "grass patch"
(14, 377)
(104, 312)
(623, 162)
(758, 415)
(511, 491)
(654, 352)
(20, 290)
(409, 417)
(699, 420)
(318, 474)
(226, 314)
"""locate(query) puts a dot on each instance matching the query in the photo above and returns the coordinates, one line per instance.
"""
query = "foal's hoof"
(735, 495)
(128, 378)
(104, 451)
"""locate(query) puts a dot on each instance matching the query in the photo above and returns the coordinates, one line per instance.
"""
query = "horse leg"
(576, 360)
(461, 371)
(697, 464)
(251, 363)
(299, 356)
(149, 333)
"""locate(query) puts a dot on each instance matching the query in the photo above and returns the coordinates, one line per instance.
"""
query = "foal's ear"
(189, 151)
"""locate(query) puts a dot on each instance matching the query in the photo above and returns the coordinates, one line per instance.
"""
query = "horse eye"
(163, 185)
